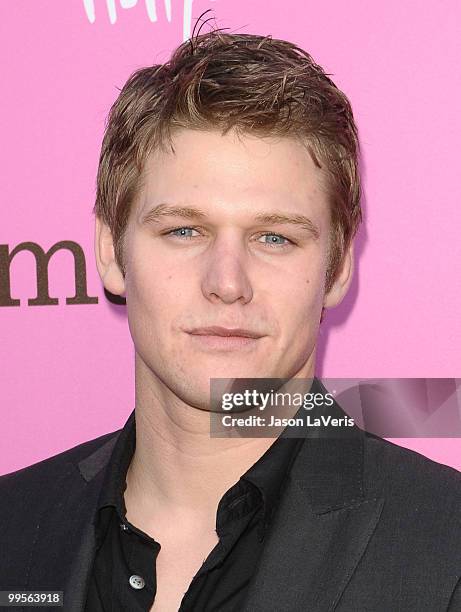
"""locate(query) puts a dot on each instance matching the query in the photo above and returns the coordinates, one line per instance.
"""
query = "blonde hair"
(255, 84)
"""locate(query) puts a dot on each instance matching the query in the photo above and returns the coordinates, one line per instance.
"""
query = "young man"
(228, 199)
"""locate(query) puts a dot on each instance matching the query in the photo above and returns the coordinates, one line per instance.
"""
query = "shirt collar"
(268, 473)
(114, 482)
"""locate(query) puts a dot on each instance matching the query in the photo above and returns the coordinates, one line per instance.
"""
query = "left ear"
(342, 282)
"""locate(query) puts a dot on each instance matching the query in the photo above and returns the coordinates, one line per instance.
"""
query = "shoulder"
(45, 473)
(422, 498)
(43, 499)
(403, 470)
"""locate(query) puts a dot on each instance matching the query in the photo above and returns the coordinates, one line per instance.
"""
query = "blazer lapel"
(63, 552)
(316, 539)
(321, 527)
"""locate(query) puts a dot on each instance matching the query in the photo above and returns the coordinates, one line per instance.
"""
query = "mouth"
(222, 338)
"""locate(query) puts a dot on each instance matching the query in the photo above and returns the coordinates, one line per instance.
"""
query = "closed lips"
(225, 331)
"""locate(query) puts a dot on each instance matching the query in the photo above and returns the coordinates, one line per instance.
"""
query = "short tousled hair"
(255, 84)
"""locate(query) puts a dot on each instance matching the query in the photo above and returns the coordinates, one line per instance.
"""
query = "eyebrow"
(268, 218)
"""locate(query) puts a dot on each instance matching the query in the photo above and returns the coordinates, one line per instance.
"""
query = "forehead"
(234, 172)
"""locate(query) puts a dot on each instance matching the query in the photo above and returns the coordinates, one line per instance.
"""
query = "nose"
(225, 278)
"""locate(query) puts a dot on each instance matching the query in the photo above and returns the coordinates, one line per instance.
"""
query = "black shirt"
(125, 555)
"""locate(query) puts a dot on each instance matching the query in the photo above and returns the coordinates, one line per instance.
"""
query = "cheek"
(303, 284)
(298, 303)
(156, 295)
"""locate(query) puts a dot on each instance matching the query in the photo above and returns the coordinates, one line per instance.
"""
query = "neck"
(178, 470)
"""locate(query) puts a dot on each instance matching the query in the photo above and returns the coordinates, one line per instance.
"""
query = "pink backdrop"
(67, 370)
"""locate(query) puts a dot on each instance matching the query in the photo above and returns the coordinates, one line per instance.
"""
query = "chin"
(238, 369)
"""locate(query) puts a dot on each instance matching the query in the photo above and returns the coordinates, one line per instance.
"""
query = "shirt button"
(124, 527)
(137, 582)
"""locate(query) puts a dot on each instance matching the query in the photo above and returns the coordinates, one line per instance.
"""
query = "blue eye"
(273, 242)
(182, 230)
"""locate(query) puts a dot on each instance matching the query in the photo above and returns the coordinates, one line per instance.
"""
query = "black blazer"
(363, 525)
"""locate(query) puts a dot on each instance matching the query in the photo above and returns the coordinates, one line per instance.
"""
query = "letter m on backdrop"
(42, 260)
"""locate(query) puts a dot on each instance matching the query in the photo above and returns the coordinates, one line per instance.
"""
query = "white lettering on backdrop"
(151, 8)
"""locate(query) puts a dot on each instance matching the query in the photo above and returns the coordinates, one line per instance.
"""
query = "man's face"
(228, 267)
